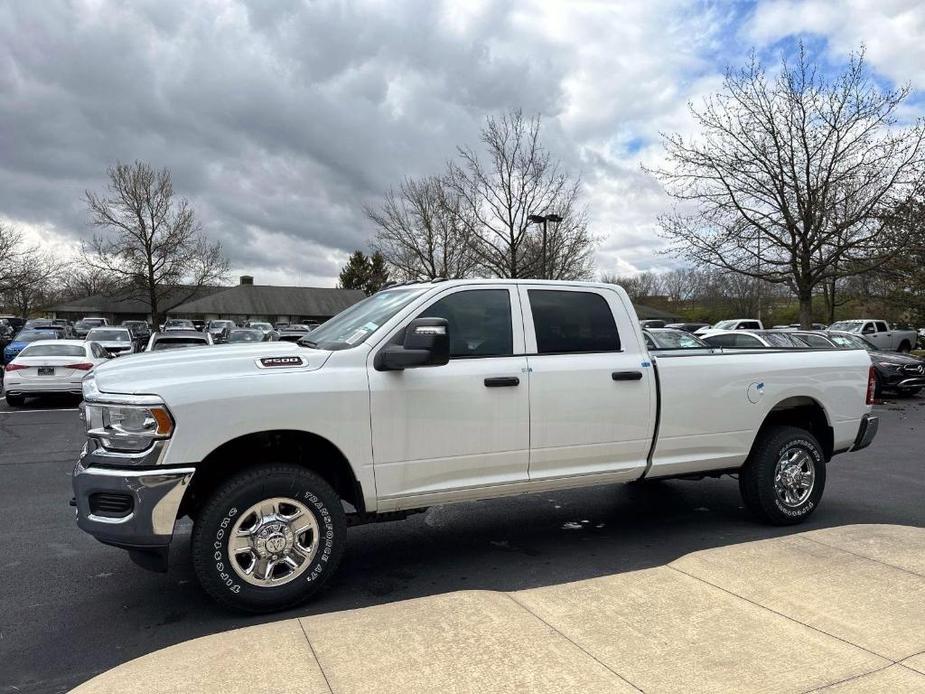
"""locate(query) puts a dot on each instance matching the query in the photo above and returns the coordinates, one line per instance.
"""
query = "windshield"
(221, 324)
(726, 324)
(351, 327)
(245, 336)
(851, 326)
(178, 323)
(92, 321)
(853, 342)
(108, 336)
(33, 335)
(53, 351)
(260, 326)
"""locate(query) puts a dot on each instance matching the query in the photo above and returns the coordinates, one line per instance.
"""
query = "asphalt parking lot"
(71, 607)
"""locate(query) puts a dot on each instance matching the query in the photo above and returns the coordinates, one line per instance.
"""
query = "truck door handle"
(502, 382)
(626, 375)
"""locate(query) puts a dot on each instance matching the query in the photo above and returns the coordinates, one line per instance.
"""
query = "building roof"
(266, 300)
(129, 302)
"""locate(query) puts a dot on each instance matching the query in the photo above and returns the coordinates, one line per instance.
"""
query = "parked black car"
(900, 373)
(219, 329)
(141, 332)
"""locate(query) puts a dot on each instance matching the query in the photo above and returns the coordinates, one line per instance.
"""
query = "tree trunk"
(806, 309)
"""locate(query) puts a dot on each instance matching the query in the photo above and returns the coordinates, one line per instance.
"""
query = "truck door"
(869, 330)
(887, 341)
(592, 398)
(465, 424)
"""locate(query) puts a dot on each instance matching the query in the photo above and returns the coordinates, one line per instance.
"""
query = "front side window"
(479, 322)
(568, 322)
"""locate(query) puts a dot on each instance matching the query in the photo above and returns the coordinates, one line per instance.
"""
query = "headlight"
(127, 427)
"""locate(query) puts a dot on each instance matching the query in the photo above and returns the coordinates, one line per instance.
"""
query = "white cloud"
(893, 31)
(280, 120)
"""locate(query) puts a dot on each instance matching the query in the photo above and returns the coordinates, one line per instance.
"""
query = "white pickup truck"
(434, 393)
(880, 333)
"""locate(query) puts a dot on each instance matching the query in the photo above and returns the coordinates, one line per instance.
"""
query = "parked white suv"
(435, 393)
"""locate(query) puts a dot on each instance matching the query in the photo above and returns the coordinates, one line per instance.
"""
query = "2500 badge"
(276, 362)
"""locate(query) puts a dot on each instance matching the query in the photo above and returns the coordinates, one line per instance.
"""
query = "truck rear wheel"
(784, 477)
(268, 538)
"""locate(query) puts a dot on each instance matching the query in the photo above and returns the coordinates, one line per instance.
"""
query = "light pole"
(543, 219)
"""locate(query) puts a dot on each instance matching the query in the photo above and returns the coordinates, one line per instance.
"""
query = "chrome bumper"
(151, 501)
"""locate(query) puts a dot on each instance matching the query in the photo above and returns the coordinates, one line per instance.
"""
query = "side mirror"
(427, 343)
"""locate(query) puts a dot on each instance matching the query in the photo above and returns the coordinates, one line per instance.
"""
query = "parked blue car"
(23, 338)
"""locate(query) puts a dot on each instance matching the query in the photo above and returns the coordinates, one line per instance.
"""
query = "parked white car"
(732, 324)
(435, 393)
(47, 367)
(117, 341)
(880, 333)
(762, 339)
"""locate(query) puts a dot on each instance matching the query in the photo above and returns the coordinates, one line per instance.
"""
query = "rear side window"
(572, 322)
(882, 327)
(479, 321)
(749, 325)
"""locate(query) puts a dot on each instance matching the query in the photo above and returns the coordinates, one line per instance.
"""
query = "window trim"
(611, 299)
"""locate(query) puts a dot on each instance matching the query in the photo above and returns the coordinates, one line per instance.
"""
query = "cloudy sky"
(280, 118)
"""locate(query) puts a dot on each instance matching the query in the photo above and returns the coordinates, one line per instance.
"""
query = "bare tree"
(638, 286)
(80, 279)
(37, 273)
(149, 240)
(421, 232)
(10, 252)
(499, 189)
(793, 179)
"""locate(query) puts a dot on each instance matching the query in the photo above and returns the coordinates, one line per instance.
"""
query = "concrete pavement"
(835, 610)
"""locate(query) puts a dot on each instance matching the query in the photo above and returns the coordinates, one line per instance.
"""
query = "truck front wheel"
(268, 538)
(784, 477)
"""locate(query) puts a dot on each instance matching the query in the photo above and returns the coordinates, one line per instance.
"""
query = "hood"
(153, 372)
(896, 358)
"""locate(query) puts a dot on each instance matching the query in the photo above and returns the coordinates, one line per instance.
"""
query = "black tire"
(908, 392)
(15, 400)
(757, 477)
(212, 531)
(905, 347)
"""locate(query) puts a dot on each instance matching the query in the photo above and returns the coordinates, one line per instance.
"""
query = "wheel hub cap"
(794, 477)
(273, 542)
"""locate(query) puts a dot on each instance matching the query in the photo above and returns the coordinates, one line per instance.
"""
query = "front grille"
(914, 369)
(111, 504)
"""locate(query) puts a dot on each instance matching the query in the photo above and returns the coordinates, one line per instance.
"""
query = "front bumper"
(866, 431)
(151, 496)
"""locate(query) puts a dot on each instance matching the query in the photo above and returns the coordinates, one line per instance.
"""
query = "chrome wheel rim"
(273, 542)
(794, 477)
